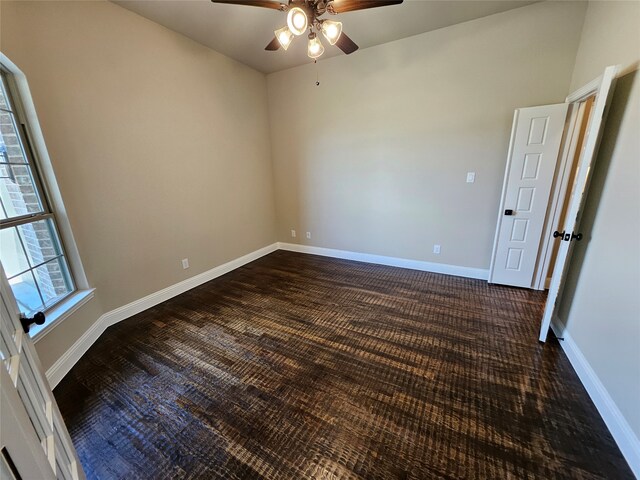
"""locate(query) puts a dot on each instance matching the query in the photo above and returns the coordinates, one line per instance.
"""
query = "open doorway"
(549, 166)
(571, 149)
(597, 95)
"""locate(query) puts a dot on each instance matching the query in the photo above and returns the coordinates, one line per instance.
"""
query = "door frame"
(561, 188)
(598, 115)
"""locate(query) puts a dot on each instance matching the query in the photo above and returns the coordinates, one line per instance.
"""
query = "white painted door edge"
(505, 181)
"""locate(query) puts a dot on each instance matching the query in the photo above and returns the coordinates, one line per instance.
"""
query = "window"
(31, 251)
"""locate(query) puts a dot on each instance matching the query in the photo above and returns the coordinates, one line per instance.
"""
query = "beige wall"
(375, 159)
(160, 148)
(601, 305)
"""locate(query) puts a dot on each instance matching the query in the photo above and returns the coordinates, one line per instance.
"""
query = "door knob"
(577, 236)
(557, 234)
(508, 212)
(38, 318)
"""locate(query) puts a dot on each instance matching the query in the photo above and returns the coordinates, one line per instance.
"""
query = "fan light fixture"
(297, 21)
(331, 31)
(315, 48)
(284, 36)
(303, 15)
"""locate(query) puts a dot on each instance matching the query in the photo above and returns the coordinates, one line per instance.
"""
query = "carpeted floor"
(303, 367)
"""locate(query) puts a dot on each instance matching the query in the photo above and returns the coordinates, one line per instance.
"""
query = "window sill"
(61, 311)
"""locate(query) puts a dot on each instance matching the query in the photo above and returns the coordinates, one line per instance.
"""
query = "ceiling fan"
(305, 14)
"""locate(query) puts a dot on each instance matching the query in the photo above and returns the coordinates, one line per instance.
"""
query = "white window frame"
(26, 113)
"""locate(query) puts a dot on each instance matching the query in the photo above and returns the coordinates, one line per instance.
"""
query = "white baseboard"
(62, 366)
(458, 271)
(622, 433)
(137, 306)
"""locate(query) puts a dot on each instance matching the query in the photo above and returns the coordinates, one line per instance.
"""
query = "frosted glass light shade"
(315, 48)
(331, 31)
(284, 36)
(297, 21)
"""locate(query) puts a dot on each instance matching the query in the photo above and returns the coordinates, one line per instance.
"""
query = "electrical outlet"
(293, 233)
(436, 249)
(185, 263)
(309, 235)
(471, 177)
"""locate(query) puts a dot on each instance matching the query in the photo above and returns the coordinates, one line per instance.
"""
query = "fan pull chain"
(317, 74)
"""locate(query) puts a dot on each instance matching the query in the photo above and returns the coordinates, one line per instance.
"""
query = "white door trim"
(587, 90)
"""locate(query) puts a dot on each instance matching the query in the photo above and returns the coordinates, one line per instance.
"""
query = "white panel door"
(34, 440)
(602, 88)
(533, 154)
(22, 456)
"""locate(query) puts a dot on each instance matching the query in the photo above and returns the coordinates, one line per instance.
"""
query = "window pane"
(40, 241)
(53, 280)
(26, 293)
(18, 192)
(10, 145)
(12, 254)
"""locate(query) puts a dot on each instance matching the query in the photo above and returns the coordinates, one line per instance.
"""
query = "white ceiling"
(242, 32)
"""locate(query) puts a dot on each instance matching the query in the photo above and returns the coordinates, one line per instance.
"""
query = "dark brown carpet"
(303, 367)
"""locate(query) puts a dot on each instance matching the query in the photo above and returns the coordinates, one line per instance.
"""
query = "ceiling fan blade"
(273, 45)
(345, 44)
(256, 3)
(342, 6)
